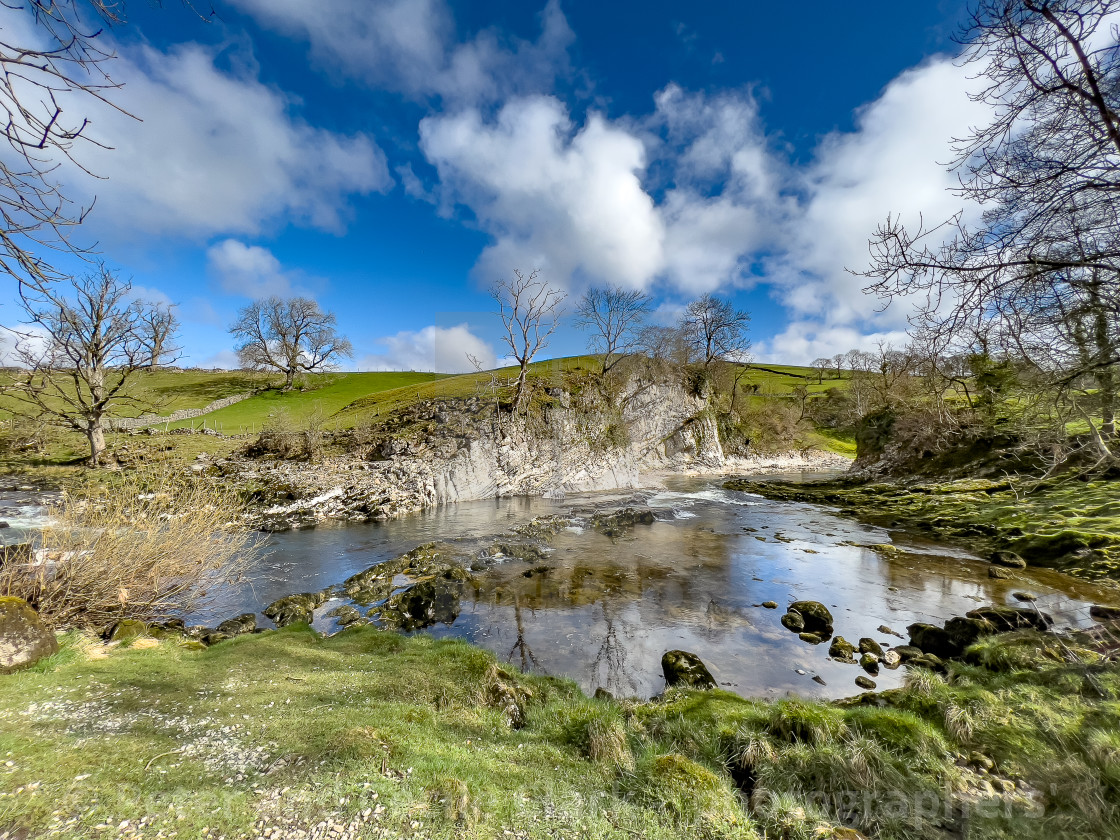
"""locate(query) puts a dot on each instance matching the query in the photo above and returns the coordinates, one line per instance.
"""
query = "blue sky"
(392, 159)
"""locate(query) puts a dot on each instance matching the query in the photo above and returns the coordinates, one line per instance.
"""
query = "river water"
(607, 608)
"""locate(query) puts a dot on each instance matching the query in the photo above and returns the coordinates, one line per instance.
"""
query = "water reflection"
(602, 610)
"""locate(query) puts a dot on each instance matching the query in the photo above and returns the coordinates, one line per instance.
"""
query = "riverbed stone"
(1103, 613)
(966, 631)
(345, 614)
(24, 637)
(906, 652)
(244, 623)
(794, 622)
(929, 638)
(1008, 560)
(883, 628)
(890, 659)
(865, 682)
(816, 616)
(293, 609)
(1000, 573)
(686, 669)
(810, 638)
(1005, 619)
(869, 645)
(770, 605)
(842, 649)
(870, 663)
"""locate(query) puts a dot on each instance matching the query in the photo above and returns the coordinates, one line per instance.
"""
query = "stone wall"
(126, 423)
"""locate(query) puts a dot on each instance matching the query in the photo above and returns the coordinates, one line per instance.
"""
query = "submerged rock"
(686, 669)
(1008, 560)
(427, 603)
(999, 573)
(816, 616)
(24, 638)
(770, 605)
(615, 524)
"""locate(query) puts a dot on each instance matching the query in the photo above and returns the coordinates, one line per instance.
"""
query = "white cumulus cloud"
(439, 349)
(251, 271)
(213, 151)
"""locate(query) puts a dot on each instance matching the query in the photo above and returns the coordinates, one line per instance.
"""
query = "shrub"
(146, 548)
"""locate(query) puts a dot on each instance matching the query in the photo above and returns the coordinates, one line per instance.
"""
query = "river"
(606, 609)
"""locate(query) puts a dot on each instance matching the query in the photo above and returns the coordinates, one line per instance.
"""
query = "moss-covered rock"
(244, 623)
(1004, 619)
(24, 637)
(127, 629)
(865, 682)
(794, 622)
(931, 639)
(345, 615)
(810, 638)
(842, 649)
(1008, 560)
(682, 668)
(869, 645)
(816, 616)
(1103, 613)
(294, 609)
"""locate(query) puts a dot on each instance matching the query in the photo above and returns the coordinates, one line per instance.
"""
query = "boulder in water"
(686, 669)
(869, 645)
(865, 682)
(1005, 619)
(293, 609)
(842, 650)
(793, 622)
(816, 616)
(24, 638)
(345, 614)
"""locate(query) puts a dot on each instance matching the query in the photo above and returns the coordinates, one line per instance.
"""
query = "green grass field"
(404, 736)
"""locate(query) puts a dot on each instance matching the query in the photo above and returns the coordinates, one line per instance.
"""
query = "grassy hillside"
(326, 393)
(386, 735)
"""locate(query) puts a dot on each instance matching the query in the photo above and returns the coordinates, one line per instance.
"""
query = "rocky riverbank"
(455, 451)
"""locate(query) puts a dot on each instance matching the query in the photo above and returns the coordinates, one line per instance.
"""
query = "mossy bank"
(374, 734)
(1069, 524)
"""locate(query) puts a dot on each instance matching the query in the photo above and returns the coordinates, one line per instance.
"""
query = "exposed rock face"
(686, 669)
(562, 452)
(24, 638)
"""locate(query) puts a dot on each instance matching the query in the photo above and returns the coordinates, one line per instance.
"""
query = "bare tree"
(716, 329)
(289, 335)
(83, 342)
(613, 314)
(160, 328)
(1039, 276)
(820, 368)
(529, 309)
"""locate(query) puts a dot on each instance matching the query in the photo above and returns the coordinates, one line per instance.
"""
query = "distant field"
(329, 393)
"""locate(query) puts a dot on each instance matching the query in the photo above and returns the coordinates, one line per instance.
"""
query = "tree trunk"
(96, 435)
(520, 395)
(289, 378)
(1107, 382)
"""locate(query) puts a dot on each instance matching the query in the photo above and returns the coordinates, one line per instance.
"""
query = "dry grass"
(144, 548)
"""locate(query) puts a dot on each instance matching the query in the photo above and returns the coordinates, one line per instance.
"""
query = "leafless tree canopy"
(64, 63)
(530, 310)
(288, 335)
(716, 330)
(161, 325)
(613, 316)
(85, 341)
(1038, 279)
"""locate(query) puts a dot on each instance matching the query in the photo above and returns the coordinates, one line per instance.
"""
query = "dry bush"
(288, 439)
(146, 548)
